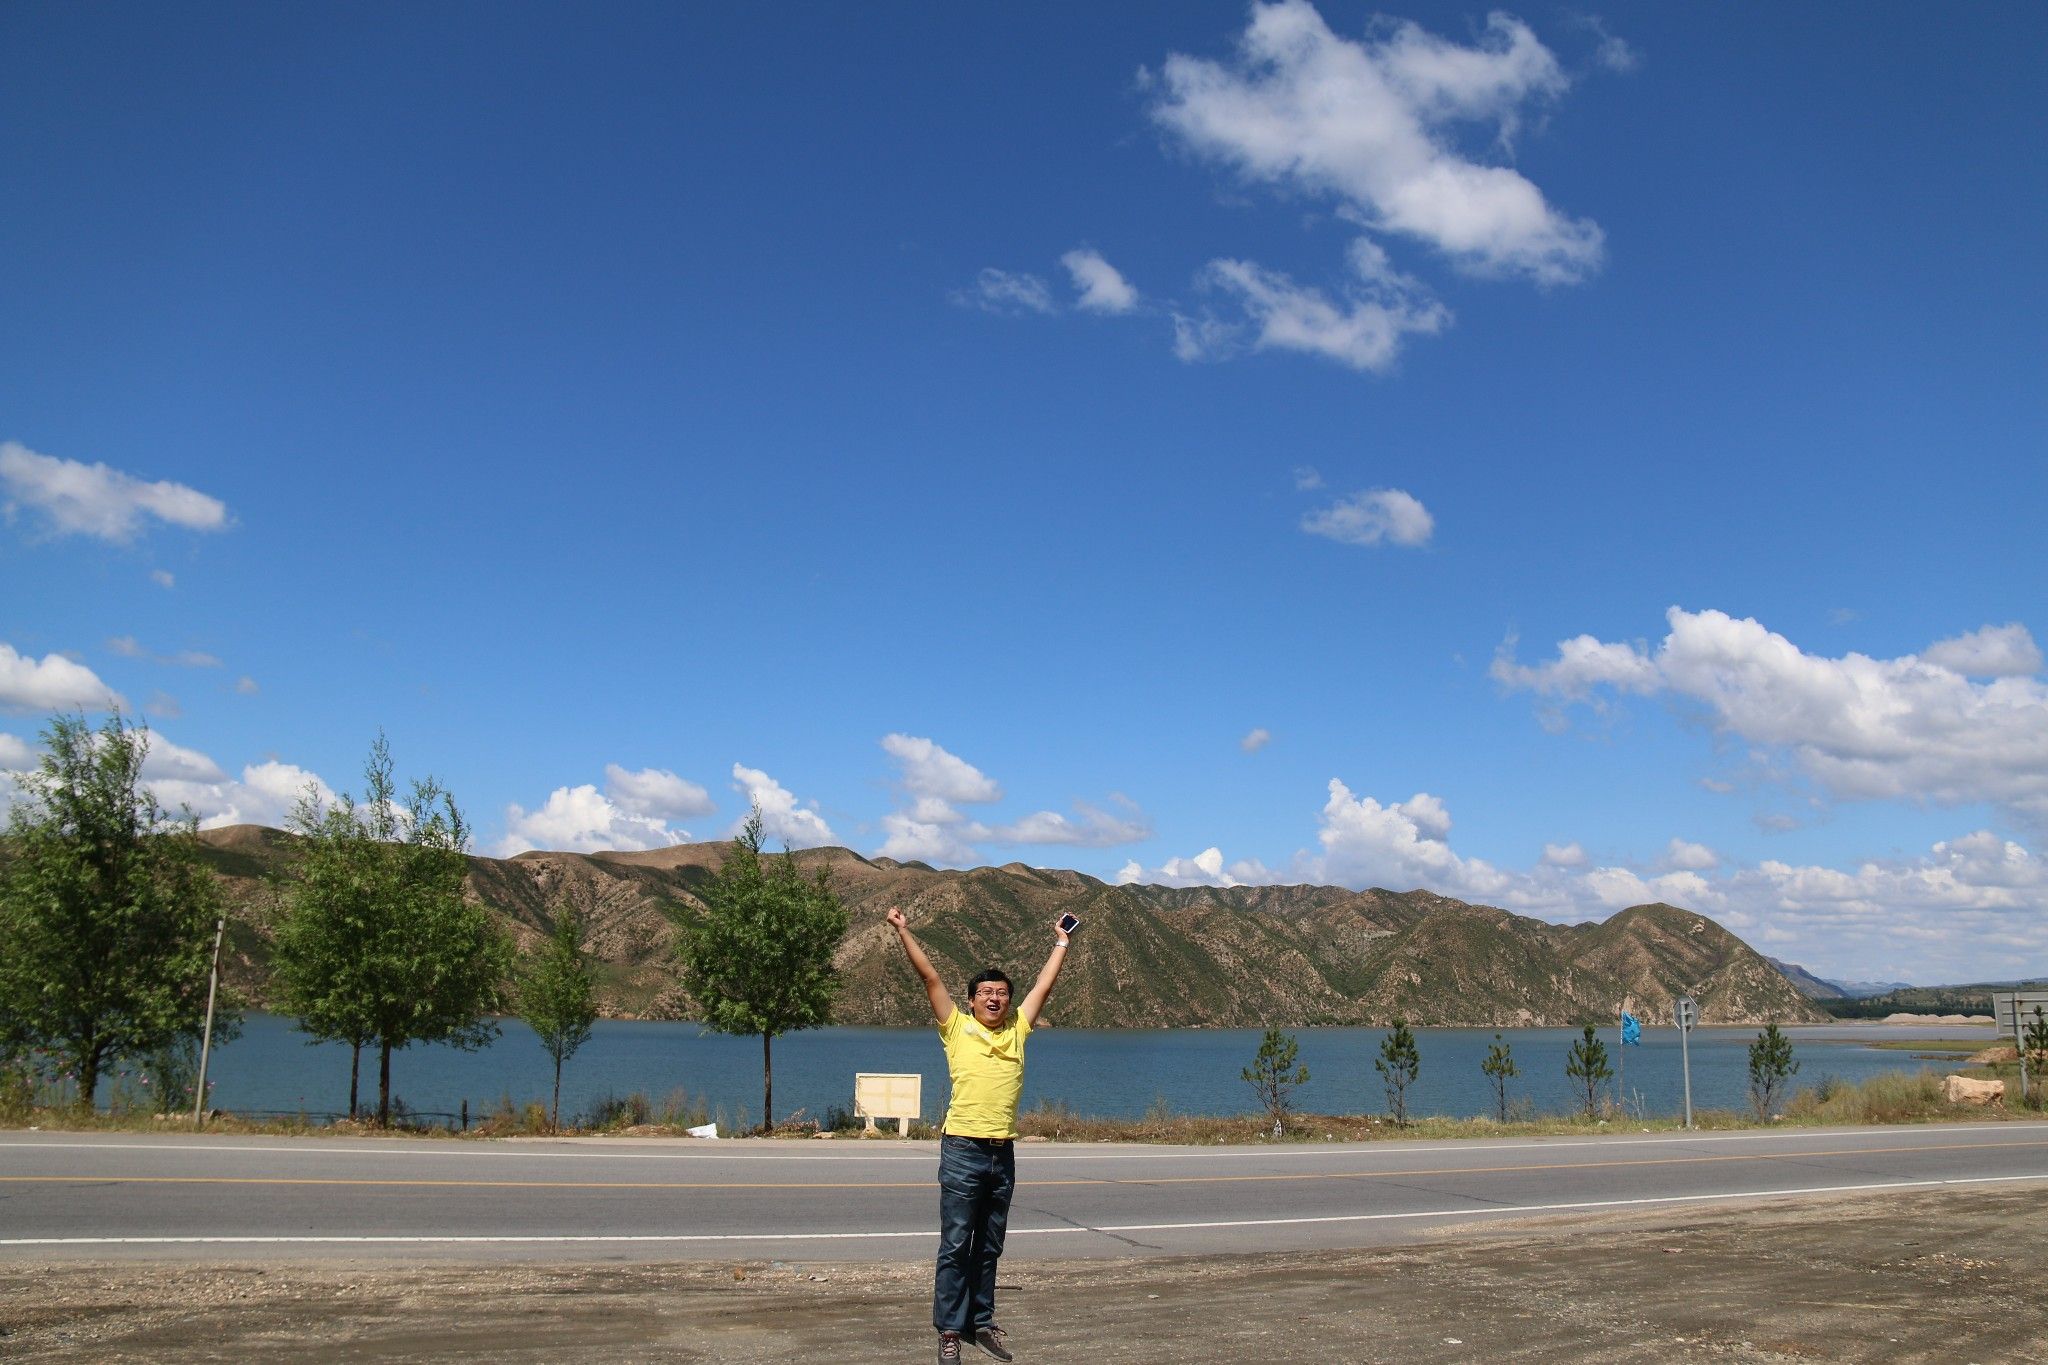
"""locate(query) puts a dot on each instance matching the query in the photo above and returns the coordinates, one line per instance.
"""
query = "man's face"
(991, 1002)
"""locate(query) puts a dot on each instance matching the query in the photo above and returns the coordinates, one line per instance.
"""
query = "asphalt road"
(67, 1196)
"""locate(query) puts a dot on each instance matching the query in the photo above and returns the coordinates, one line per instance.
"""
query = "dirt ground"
(1947, 1276)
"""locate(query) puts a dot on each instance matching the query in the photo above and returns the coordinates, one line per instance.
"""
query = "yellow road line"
(1295, 1176)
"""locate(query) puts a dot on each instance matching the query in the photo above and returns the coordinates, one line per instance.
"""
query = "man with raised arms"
(977, 1159)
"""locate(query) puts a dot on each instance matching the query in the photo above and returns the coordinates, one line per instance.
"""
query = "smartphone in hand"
(1069, 923)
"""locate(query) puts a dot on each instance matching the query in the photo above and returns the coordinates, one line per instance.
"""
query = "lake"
(1116, 1073)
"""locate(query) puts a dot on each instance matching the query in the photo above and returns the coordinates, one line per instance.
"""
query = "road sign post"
(1685, 1012)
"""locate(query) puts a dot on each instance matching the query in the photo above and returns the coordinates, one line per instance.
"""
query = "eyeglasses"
(991, 993)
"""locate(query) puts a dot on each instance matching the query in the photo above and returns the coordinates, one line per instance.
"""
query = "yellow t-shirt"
(987, 1067)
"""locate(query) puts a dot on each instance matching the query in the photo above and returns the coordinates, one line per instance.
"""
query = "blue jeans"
(975, 1181)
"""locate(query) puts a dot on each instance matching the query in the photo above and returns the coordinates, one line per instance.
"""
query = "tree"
(1587, 1064)
(1500, 1068)
(1399, 1063)
(1770, 1068)
(379, 943)
(1273, 1075)
(106, 911)
(556, 997)
(2037, 1040)
(331, 910)
(759, 960)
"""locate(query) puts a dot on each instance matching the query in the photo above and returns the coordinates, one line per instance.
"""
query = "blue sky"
(1561, 458)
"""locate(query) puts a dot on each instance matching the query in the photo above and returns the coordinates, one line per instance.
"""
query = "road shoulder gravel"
(1946, 1275)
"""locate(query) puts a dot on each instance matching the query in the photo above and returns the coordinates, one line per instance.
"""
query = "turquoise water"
(1107, 1072)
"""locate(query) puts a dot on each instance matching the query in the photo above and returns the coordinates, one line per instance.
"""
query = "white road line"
(1515, 1211)
(590, 1149)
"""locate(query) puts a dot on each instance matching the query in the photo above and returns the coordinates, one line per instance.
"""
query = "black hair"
(991, 974)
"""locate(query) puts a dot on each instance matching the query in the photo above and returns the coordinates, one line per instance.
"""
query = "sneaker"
(990, 1339)
(949, 1348)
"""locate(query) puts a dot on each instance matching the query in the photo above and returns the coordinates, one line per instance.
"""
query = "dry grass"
(1892, 1098)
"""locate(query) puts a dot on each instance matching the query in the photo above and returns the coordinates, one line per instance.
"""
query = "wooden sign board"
(883, 1095)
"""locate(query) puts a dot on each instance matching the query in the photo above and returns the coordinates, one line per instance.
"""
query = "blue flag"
(1631, 1031)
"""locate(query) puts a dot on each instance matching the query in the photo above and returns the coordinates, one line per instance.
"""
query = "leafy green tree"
(557, 997)
(331, 910)
(106, 911)
(1770, 1068)
(1586, 1063)
(1273, 1075)
(378, 943)
(1399, 1063)
(1500, 1068)
(759, 960)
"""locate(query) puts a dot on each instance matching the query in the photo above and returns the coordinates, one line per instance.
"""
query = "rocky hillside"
(1147, 956)
(1810, 986)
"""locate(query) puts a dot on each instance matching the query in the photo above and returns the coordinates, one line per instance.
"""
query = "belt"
(983, 1141)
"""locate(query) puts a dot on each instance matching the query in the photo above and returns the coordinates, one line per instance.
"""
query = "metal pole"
(206, 1039)
(2019, 1044)
(1685, 1060)
(1620, 1057)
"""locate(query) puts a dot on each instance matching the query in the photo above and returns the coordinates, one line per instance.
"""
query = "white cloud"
(932, 828)
(1613, 53)
(246, 686)
(1204, 869)
(1858, 728)
(1370, 123)
(1307, 478)
(1196, 339)
(1094, 828)
(1362, 328)
(17, 755)
(265, 793)
(1679, 855)
(163, 578)
(1971, 908)
(782, 819)
(1102, 288)
(1582, 664)
(1376, 516)
(1256, 740)
(165, 761)
(582, 819)
(656, 794)
(53, 683)
(128, 647)
(944, 841)
(163, 706)
(930, 771)
(2006, 651)
(1399, 846)
(94, 500)
(270, 789)
(185, 779)
(1005, 291)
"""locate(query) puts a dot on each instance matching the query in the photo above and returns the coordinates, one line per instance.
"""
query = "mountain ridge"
(1151, 956)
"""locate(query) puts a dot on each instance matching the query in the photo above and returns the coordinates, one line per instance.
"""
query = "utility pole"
(1685, 1012)
(206, 1039)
